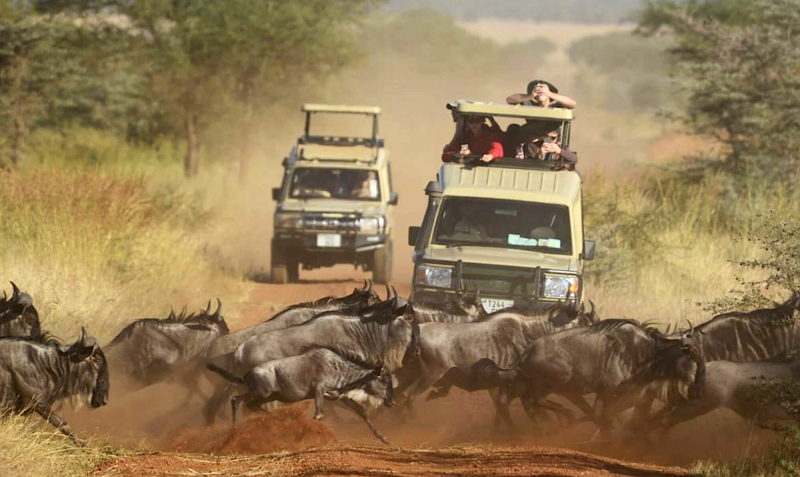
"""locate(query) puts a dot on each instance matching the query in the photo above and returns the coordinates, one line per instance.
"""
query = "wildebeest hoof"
(319, 416)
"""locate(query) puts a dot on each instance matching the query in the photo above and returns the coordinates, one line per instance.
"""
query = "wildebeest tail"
(225, 374)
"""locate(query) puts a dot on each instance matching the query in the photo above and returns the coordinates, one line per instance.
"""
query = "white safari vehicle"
(512, 228)
(334, 203)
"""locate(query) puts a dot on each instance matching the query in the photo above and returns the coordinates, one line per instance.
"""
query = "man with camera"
(544, 94)
(547, 148)
(477, 138)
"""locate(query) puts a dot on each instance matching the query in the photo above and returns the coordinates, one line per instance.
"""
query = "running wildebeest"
(455, 309)
(295, 315)
(18, 317)
(316, 374)
(603, 359)
(385, 338)
(735, 386)
(736, 336)
(501, 337)
(150, 350)
(35, 375)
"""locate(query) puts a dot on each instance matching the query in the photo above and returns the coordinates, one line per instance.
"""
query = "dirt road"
(452, 436)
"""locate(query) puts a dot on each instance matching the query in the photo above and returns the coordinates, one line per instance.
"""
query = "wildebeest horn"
(370, 285)
(83, 336)
(691, 326)
(388, 292)
(171, 315)
(208, 307)
(219, 308)
(15, 295)
(394, 290)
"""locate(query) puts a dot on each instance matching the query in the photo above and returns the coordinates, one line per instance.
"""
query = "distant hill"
(568, 11)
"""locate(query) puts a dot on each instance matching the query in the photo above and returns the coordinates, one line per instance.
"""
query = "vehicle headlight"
(559, 287)
(288, 221)
(440, 277)
(372, 224)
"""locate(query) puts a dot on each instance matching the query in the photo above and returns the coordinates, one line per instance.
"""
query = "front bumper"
(523, 286)
(298, 241)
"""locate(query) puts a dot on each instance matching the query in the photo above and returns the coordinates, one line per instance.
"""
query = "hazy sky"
(569, 11)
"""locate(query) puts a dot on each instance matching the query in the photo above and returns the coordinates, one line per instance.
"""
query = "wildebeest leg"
(501, 397)
(47, 413)
(212, 406)
(566, 414)
(580, 402)
(606, 417)
(319, 401)
(363, 414)
(641, 410)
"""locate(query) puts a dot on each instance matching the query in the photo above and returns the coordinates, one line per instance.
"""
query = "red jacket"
(489, 142)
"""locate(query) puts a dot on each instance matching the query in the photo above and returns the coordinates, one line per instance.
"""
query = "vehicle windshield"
(349, 184)
(504, 224)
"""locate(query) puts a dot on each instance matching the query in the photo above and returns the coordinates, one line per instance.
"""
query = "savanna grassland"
(147, 186)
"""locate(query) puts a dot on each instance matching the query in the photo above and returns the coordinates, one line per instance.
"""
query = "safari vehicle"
(334, 203)
(512, 228)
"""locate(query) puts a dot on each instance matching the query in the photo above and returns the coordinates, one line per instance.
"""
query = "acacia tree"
(740, 64)
(205, 54)
(34, 61)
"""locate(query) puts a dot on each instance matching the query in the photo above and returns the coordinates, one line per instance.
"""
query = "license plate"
(329, 240)
(491, 305)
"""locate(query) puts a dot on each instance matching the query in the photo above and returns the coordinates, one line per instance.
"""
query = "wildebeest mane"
(44, 338)
(195, 321)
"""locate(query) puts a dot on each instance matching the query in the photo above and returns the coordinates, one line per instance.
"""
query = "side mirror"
(588, 249)
(393, 198)
(413, 233)
(276, 194)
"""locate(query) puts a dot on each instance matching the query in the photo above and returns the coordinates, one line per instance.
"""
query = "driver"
(479, 138)
(468, 224)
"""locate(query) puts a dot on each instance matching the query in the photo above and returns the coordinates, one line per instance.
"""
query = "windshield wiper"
(470, 242)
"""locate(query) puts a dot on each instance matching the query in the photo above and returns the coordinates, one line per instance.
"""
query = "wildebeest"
(295, 315)
(736, 336)
(315, 374)
(501, 337)
(600, 359)
(35, 375)
(735, 386)
(149, 350)
(455, 309)
(383, 339)
(18, 317)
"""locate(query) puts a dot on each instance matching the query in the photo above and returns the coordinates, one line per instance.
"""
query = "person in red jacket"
(479, 138)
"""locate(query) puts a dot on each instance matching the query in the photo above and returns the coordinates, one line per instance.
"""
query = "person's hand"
(551, 147)
(487, 158)
(542, 88)
(465, 152)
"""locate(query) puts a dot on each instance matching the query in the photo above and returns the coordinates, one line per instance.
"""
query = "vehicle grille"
(346, 223)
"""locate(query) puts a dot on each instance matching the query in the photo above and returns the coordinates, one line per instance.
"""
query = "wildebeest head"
(382, 387)
(18, 317)
(92, 367)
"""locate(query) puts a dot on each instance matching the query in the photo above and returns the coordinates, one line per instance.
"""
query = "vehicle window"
(504, 224)
(350, 184)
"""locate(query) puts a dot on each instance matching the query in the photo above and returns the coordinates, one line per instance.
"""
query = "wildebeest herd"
(361, 351)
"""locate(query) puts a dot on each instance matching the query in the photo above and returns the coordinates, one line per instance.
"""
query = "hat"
(533, 84)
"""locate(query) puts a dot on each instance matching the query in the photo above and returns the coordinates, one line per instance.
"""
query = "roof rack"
(338, 108)
(463, 106)
(310, 109)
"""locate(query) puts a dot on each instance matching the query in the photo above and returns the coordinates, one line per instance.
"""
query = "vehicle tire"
(279, 272)
(382, 264)
(293, 271)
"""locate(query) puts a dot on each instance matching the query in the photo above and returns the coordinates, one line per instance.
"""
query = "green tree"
(739, 63)
(208, 54)
(35, 59)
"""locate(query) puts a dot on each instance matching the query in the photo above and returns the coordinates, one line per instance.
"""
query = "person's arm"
(456, 142)
(496, 149)
(519, 98)
(565, 101)
(569, 156)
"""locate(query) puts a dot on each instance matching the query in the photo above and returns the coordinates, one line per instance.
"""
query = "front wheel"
(382, 264)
